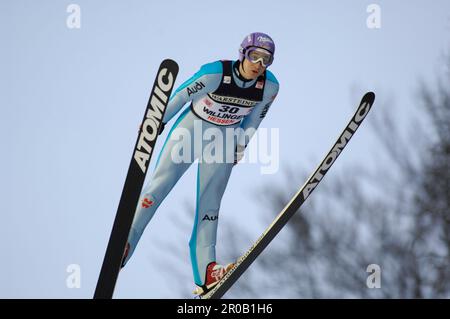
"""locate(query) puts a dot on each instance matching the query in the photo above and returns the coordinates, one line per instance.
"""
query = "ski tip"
(369, 97)
(169, 63)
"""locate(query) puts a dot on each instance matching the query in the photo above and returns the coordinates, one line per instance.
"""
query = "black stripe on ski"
(299, 198)
(137, 170)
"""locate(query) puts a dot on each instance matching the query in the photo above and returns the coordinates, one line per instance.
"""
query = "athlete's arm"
(206, 80)
(252, 121)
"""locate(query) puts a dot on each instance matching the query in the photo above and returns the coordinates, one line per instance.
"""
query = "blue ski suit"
(220, 100)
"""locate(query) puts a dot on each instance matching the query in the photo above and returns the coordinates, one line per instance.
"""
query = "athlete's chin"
(255, 73)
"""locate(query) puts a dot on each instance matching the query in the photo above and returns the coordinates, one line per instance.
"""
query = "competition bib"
(222, 110)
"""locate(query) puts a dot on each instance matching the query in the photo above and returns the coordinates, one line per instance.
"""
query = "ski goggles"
(256, 55)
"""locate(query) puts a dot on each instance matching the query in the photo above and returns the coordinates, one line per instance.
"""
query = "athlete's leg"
(212, 179)
(165, 176)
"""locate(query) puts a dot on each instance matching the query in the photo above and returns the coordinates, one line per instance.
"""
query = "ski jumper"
(220, 99)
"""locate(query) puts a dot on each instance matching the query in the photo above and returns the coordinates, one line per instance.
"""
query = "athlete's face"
(251, 70)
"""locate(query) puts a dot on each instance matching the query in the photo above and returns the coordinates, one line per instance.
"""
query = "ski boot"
(214, 274)
(125, 255)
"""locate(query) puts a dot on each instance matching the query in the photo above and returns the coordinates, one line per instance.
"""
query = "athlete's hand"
(161, 128)
(239, 153)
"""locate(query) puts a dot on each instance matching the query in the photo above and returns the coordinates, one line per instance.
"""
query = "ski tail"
(297, 200)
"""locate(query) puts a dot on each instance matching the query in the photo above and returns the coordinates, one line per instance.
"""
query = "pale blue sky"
(72, 100)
